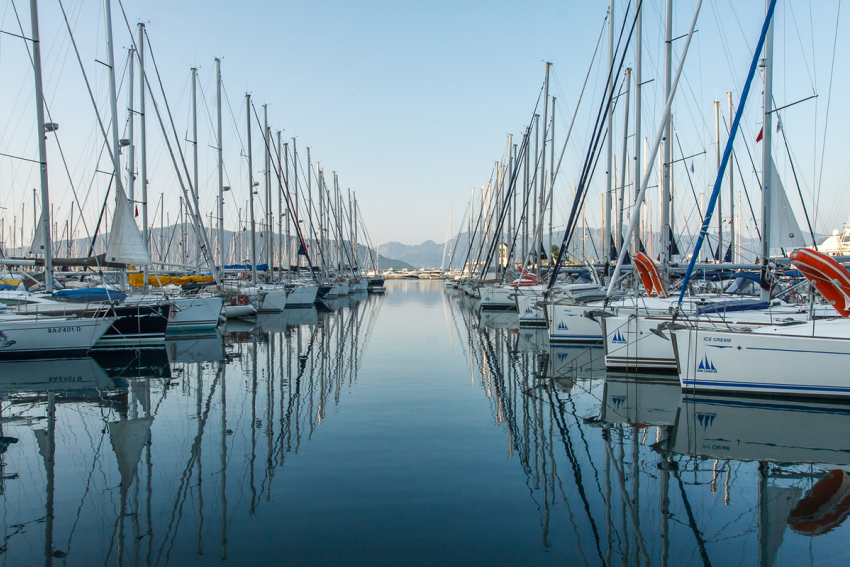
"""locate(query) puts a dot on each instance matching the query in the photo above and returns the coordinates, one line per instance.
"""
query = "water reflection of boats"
(579, 362)
(278, 322)
(273, 322)
(53, 375)
(304, 316)
(777, 434)
(239, 330)
(499, 320)
(359, 295)
(333, 304)
(529, 339)
(749, 429)
(641, 401)
(206, 348)
(824, 507)
(134, 363)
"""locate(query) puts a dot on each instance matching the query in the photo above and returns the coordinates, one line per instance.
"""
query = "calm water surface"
(405, 430)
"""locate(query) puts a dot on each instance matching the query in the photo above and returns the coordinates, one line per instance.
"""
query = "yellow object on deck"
(136, 280)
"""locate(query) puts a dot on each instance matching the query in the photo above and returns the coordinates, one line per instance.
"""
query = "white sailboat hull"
(568, 324)
(272, 299)
(304, 295)
(26, 338)
(779, 360)
(194, 314)
(497, 298)
(530, 315)
(630, 344)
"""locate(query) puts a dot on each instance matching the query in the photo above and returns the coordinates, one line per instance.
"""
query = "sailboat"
(632, 339)
(797, 358)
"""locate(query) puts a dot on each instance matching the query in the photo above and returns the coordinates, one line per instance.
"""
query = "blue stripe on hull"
(803, 351)
(575, 339)
(762, 386)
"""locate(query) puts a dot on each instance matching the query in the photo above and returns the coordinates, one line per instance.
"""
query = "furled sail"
(125, 241)
(784, 230)
(37, 246)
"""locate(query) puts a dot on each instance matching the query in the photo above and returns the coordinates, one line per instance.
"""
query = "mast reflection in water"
(112, 460)
(399, 429)
(614, 461)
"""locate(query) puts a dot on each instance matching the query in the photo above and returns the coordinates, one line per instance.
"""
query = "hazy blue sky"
(411, 102)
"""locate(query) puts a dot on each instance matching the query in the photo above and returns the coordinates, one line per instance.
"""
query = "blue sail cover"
(89, 295)
(260, 267)
(732, 306)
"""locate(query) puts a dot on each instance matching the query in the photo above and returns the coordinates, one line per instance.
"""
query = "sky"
(411, 103)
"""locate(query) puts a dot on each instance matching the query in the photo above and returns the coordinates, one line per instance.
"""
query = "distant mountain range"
(393, 254)
(429, 254)
(165, 244)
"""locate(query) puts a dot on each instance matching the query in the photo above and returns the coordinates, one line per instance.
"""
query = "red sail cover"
(526, 279)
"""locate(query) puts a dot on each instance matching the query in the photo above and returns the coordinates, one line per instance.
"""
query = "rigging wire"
(828, 101)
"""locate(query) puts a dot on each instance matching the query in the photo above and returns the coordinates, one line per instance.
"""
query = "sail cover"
(125, 241)
(784, 230)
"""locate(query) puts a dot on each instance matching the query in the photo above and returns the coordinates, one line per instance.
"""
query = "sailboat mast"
(143, 143)
(337, 204)
(113, 103)
(731, 189)
(42, 151)
(269, 241)
(295, 176)
(637, 175)
(543, 158)
(351, 232)
(767, 158)
(719, 207)
(510, 204)
(251, 191)
(131, 177)
(288, 241)
(536, 252)
(110, 63)
(526, 188)
(196, 239)
(609, 156)
(666, 231)
(551, 197)
(220, 165)
(280, 207)
(621, 202)
(308, 205)
(321, 213)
